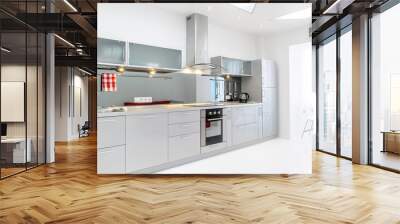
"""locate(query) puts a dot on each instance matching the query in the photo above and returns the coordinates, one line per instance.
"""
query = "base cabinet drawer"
(111, 160)
(110, 131)
(244, 115)
(184, 128)
(244, 133)
(184, 116)
(184, 146)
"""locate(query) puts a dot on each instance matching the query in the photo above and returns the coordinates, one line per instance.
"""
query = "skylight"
(302, 14)
(248, 7)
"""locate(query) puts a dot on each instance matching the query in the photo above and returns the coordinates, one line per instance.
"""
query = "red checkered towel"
(109, 82)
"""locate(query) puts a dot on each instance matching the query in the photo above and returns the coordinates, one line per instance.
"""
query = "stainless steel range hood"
(197, 59)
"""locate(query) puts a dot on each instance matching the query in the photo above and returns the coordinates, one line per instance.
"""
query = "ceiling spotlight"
(152, 71)
(120, 69)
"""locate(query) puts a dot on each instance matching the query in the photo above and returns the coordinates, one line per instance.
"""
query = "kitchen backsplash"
(178, 88)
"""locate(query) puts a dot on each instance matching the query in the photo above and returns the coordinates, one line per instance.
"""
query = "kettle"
(244, 97)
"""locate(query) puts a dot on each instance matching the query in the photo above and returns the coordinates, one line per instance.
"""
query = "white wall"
(225, 42)
(66, 121)
(276, 47)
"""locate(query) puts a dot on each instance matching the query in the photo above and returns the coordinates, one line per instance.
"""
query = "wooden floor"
(69, 191)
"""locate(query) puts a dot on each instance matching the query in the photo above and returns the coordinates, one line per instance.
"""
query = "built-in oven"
(211, 126)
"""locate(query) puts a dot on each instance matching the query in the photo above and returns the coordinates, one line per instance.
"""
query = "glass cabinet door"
(111, 51)
(236, 66)
(157, 57)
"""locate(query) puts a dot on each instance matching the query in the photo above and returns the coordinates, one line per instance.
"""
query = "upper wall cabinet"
(111, 51)
(154, 57)
(231, 66)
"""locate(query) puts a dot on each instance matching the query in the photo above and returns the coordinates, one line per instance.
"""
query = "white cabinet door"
(110, 131)
(244, 115)
(244, 133)
(184, 146)
(227, 131)
(269, 127)
(269, 78)
(270, 112)
(111, 160)
(146, 141)
(260, 121)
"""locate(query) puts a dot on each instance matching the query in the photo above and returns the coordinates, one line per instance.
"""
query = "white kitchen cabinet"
(184, 116)
(260, 120)
(183, 146)
(111, 160)
(110, 131)
(269, 78)
(146, 141)
(227, 126)
(244, 115)
(270, 113)
(263, 87)
(184, 128)
(244, 133)
(245, 124)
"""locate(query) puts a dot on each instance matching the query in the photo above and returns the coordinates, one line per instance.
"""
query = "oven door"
(214, 131)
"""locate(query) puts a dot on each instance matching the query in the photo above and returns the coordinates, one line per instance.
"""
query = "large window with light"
(385, 89)
(345, 91)
(327, 96)
(334, 75)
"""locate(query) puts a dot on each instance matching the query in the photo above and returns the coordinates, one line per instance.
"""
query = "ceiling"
(263, 19)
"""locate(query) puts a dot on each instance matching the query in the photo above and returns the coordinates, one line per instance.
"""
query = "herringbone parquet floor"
(69, 191)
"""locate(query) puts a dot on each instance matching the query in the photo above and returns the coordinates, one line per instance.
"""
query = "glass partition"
(22, 88)
(13, 87)
(327, 96)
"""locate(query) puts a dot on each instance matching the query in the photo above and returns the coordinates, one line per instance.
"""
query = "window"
(327, 96)
(385, 89)
(346, 93)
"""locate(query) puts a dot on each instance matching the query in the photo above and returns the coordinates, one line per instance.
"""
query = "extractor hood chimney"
(197, 44)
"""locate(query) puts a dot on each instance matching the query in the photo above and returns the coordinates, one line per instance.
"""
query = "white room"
(277, 33)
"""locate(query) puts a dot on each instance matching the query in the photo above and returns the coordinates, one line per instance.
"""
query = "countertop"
(128, 110)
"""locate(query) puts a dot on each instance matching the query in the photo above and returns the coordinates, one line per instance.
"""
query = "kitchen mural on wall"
(168, 111)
